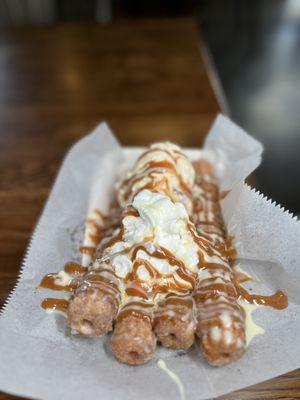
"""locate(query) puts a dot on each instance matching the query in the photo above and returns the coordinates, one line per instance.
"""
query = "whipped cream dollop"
(168, 222)
(160, 223)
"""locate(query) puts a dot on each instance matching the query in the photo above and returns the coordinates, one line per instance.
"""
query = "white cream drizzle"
(162, 365)
(252, 329)
(54, 311)
(63, 278)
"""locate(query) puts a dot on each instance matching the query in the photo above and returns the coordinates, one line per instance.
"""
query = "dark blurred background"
(253, 48)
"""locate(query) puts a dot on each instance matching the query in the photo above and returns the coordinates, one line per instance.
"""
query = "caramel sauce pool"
(48, 282)
(55, 304)
(74, 268)
(278, 300)
(87, 250)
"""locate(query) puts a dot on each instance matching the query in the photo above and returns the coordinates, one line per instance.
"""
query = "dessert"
(162, 267)
(221, 320)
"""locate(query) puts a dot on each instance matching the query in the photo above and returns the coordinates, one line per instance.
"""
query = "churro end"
(133, 341)
(91, 315)
(175, 333)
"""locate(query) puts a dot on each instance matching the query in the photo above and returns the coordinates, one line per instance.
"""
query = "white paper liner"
(39, 357)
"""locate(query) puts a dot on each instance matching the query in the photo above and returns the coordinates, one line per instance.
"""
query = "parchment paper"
(39, 357)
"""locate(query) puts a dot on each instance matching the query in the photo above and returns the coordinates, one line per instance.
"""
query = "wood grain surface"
(147, 79)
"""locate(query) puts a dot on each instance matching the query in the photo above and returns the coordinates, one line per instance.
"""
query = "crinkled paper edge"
(272, 203)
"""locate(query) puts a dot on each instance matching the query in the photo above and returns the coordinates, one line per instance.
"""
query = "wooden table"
(147, 79)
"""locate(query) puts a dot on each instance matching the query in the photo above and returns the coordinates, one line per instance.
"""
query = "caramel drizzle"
(189, 278)
(140, 289)
(176, 306)
(49, 282)
(142, 263)
(97, 233)
(240, 277)
(135, 290)
(87, 250)
(278, 300)
(74, 268)
(100, 280)
(182, 281)
(55, 304)
(102, 228)
(185, 301)
(154, 172)
(221, 288)
(138, 309)
(102, 215)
